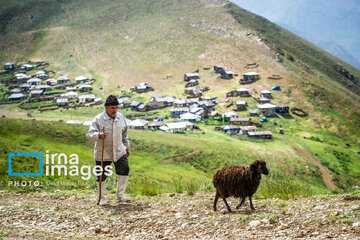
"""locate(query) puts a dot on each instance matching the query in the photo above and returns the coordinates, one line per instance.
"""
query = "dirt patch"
(180, 158)
(323, 170)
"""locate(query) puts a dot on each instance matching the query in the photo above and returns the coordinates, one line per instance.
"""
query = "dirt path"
(64, 215)
(324, 171)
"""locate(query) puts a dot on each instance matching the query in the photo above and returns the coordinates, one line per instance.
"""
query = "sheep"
(238, 181)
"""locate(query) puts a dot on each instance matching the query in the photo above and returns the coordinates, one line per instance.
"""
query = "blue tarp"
(263, 119)
(276, 88)
(214, 101)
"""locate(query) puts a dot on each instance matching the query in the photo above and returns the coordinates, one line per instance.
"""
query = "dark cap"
(111, 100)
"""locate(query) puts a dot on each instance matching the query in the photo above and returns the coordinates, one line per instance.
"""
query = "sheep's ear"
(253, 167)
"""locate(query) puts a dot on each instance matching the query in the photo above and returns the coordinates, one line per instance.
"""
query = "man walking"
(116, 146)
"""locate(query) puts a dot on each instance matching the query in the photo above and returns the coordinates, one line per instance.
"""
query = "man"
(116, 146)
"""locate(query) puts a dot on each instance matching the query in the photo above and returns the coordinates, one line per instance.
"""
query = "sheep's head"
(260, 167)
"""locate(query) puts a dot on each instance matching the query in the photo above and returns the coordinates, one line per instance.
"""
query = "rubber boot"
(103, 192)
(121, 186)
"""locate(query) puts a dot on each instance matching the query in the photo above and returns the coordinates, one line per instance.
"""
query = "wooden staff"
(102, 163)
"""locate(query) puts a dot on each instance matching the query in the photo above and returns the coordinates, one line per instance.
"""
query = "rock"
(254, 223)
(178, 215)
(356, 224)
(265, 221)
(315, 234)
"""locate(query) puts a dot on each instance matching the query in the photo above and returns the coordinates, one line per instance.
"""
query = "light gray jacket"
(116, 140)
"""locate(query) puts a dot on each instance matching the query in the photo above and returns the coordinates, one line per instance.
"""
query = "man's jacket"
(116, 140)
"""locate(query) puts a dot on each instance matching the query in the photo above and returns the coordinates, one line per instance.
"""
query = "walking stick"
(102, 158)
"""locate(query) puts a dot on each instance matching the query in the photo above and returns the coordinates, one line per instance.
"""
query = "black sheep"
(238, 181)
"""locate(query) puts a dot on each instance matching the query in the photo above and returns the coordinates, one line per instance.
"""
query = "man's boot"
(103, 192)
(121, 186)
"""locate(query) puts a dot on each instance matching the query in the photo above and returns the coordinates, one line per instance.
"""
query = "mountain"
(123, 43)
(332, 21)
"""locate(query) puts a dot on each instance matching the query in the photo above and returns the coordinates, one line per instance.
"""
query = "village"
(30, 86)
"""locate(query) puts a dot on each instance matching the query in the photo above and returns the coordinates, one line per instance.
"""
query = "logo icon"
(15, 153)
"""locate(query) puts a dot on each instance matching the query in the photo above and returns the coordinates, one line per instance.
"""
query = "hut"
(267, 109)
(226, 116)
(86, 98)
(246, 129)
(282, 109)
(190, 76)
(9, 66)
(242, 92)
(16, 96)
(81, 79)
(241, 105)
(190, 117)
(70, 95)
(61, 102)
(263, 100)
(25, 87)
(263, 134)
(134, 105)
(34, 81)
(235, 120)
(227, 75)
(266, 94)
(176, 112)
(251, 76)
(254, 112)
(139, 124)
(43, 87)
(85, 88)
(218, 69)
(51, 82)
(62, 80)
(215, 115)
(155, 125)
(27, 67)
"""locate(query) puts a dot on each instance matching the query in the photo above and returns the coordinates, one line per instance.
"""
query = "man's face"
(111, 110)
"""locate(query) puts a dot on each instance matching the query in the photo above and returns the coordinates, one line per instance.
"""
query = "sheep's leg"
(217, 195)
(227, 205)
(241, 203)
(251, 205)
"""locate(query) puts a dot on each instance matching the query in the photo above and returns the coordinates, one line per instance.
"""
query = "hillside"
(124, 43)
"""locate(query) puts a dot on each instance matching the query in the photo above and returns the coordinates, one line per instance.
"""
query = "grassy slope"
(166, 162)
(124, 44)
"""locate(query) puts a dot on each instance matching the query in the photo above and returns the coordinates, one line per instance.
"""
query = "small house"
(159, 102)
(124, 102)
(70, 89)
(254, 112)
(9, 66)
(34, 81)
(240, 121)
(267, 109)
(85, 88)
(61, 102)
(155, 125)
(230, 129)
(43, 87)
(190, 117)
(215, 115)
(263, 100)
(282, 109)
(266, 94)
(51, 82)
(219, 69)
(192, 83)
(176, 127)
(81, 79)
(42, 74)
(139, 124)
(226, 116)
(70, 95)
(242, 92)
(142, 87)
(27, 67)
(227, 75)
(16, 96)
(21, 76)
(241, 105)
(142, 108)
(25, 87)
(35, 93)
(86, 98)
(263, 134)
(98, 101)
(251, 76)
(134, 105)
(62, 79)
(179, 102)
(15, 90)
(190, 76)
(176, 112)
(246, 129)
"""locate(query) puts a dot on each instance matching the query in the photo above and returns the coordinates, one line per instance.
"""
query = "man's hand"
(127, 153)
(102, 135)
